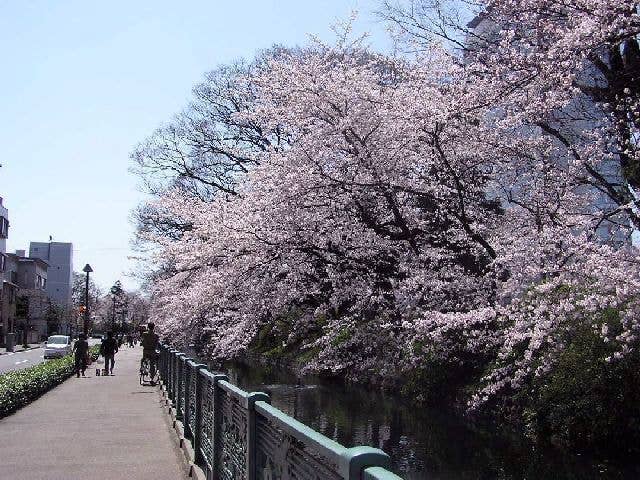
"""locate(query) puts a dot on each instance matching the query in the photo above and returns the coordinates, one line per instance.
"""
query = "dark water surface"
(424, 443)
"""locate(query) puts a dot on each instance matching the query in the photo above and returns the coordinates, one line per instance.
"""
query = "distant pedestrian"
(80, 352)
(108, 350)
(130, 340)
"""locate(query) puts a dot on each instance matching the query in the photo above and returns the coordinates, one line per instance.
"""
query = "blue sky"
(82, 82)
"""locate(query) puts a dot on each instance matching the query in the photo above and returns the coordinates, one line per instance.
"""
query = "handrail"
(238, 435)
(300, 431)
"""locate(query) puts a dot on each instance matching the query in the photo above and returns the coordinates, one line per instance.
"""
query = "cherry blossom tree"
(567, 70)
(385, 214)
(567, 75)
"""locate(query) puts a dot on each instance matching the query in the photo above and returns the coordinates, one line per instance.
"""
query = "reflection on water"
(423, 443)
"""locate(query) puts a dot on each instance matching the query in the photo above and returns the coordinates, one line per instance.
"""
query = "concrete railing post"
(164, 353)
(252, 446)
(186, 378)
(167, 382)
(217, 423)
(161, 365)
(172, 376)
(355, 460)
(186, 400)
(166, 369)
(179, 385)
(197, 435)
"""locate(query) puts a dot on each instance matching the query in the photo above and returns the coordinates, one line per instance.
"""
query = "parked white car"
(57, 346)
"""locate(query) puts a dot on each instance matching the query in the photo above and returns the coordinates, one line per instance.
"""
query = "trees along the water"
(439, 210)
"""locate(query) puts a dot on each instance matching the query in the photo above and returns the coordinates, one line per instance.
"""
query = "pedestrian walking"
(108, 350)
(80, 352)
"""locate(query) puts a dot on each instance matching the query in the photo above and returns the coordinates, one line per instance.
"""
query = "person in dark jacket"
(80, 352)
(150, 343)
(108, 350)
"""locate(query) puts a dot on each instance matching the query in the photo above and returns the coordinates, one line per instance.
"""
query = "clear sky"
(81, 82)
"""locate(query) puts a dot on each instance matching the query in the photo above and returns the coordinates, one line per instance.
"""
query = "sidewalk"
(20, 348)
(98, 428)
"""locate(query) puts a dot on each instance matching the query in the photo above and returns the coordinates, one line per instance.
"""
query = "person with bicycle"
(150, 343)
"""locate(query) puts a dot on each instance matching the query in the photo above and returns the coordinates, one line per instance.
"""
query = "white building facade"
(59, 256)
(5, 312)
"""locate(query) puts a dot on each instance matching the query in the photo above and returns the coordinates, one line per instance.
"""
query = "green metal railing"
(239, 435)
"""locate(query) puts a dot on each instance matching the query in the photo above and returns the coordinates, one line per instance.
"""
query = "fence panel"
(231, 464)
(205, 451)
(280, 454)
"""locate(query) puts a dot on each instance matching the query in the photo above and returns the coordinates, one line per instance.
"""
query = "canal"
(424, 443)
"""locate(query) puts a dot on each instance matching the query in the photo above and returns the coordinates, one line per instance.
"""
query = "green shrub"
(587, 401)
(20, 387)
(343, 336)
(438, 382)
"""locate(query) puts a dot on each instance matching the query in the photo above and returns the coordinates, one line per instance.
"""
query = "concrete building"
(4, 227)
(581, 114)
(8, 299)
(59, 256)
(4, 312)
(32, 304)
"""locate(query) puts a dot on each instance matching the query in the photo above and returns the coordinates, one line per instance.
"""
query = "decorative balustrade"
(238, 435)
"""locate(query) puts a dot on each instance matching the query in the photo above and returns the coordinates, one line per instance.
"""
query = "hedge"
(20, 387)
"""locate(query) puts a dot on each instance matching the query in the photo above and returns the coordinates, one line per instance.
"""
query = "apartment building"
(31, 305)
(59, 257)
(4, 291)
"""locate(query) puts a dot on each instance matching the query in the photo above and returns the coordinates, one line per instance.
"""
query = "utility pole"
(113, 313)
(116, 291)
(87, 269)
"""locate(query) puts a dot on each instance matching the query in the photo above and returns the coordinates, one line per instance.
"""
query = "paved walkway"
(98, 428)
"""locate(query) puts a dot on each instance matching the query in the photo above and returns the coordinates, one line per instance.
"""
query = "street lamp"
(87, 269)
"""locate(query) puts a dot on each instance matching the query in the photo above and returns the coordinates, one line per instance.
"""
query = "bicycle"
(145, 372)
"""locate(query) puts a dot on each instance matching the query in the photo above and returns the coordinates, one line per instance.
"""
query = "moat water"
(424, 443)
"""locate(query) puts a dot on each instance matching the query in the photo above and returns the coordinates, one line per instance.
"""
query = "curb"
(23, 350)
(185, 445)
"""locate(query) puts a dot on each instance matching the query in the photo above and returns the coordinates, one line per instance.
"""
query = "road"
(19, 360)
(29, 358)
